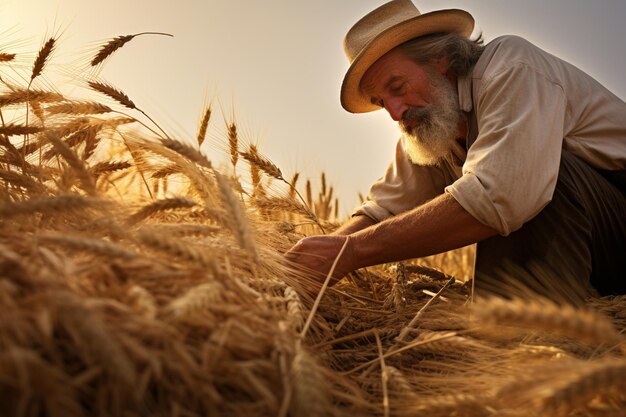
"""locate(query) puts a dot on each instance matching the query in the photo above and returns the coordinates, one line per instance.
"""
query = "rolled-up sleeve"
(404, 186)
(512, 167)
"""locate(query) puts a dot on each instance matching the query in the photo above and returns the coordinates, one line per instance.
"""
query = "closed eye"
(397, 89)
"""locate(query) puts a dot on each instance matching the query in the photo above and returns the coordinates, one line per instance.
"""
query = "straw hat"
(382, 30)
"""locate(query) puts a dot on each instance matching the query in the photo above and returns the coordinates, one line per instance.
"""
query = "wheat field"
(139, 278)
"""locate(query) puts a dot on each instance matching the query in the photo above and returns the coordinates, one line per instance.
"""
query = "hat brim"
(447, 21)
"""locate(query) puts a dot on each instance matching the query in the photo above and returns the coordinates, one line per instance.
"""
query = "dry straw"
(564, 320)
(120, 303)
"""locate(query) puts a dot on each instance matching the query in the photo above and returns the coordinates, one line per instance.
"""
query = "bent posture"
(502, 144)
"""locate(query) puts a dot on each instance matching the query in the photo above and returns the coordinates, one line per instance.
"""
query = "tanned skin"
(395, 83)
(437, 226)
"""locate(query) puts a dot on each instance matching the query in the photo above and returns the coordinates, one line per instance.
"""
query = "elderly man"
(502, 144)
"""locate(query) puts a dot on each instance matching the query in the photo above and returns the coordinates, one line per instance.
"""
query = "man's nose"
(396, 109)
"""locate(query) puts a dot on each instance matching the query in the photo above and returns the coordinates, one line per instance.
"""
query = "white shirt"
(524, 105)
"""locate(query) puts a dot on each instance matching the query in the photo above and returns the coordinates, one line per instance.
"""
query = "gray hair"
(462, 53)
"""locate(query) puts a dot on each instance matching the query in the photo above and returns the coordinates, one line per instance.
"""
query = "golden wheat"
(113, 93)
(124, 297)
(42, 58)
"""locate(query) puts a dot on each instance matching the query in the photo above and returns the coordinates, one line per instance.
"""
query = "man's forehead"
(383, 72)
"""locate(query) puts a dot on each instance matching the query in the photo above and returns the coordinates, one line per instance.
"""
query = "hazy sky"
(280, 63)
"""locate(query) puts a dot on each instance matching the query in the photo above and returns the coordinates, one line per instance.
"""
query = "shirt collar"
(464, 86)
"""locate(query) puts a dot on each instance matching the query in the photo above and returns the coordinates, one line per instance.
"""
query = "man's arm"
(354, 224)
(440, 225)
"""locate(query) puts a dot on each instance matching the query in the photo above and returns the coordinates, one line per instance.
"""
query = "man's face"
(423, 102)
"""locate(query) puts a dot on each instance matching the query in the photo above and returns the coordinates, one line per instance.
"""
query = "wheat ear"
(565, 320)
(20, 95)
(196, 299)
(282, 204)
(159, 206)
(13, 129)
(233, 146)
(42, 58)
(116, 43)
(142, 301)
(95, 246)
(4, 57)
(187, 151)
(204, 124)
(592, 380)
(310, 394)
(236, 218)
(446, 405)
(292, 185)
(113, 93)
(24, 181)
(61, 203)
(74, 161)
(177, 248)
(109, 166)
(78, 107)
(264, 164)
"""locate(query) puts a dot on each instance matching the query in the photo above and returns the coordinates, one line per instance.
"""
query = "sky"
(276, 66)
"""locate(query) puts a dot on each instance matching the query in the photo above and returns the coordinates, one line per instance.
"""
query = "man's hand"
(316, 254)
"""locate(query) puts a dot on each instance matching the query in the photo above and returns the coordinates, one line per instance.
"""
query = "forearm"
(354, 224)
(437, 226)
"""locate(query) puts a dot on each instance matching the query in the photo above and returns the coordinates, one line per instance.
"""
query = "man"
(503, 144)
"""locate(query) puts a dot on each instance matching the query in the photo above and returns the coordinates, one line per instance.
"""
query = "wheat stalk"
(116, 43)
(384, 375)
(295, 310)
(166, 171)
(78, 107)
(282, 204)
(187, 151)
(4, 57)
(74, 161)
(186, 229)
(255, 173)
(20, 95)
(292, 185)
(177, 248)
(564, 320)
(62, 203)
(204, 124)
(113, 93)
(14, 129)
(142, 301)
(233, 145)
(309, 194)
(445, 405)
(591, 380)
(42, 58)
(196, 299)
(264, 164)
(25, 181)
(106, 167)
(310, 396)
(82, 243)
(157, 206)
(236, 218)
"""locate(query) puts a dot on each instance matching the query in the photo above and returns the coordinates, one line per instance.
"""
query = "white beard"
(434, 138)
